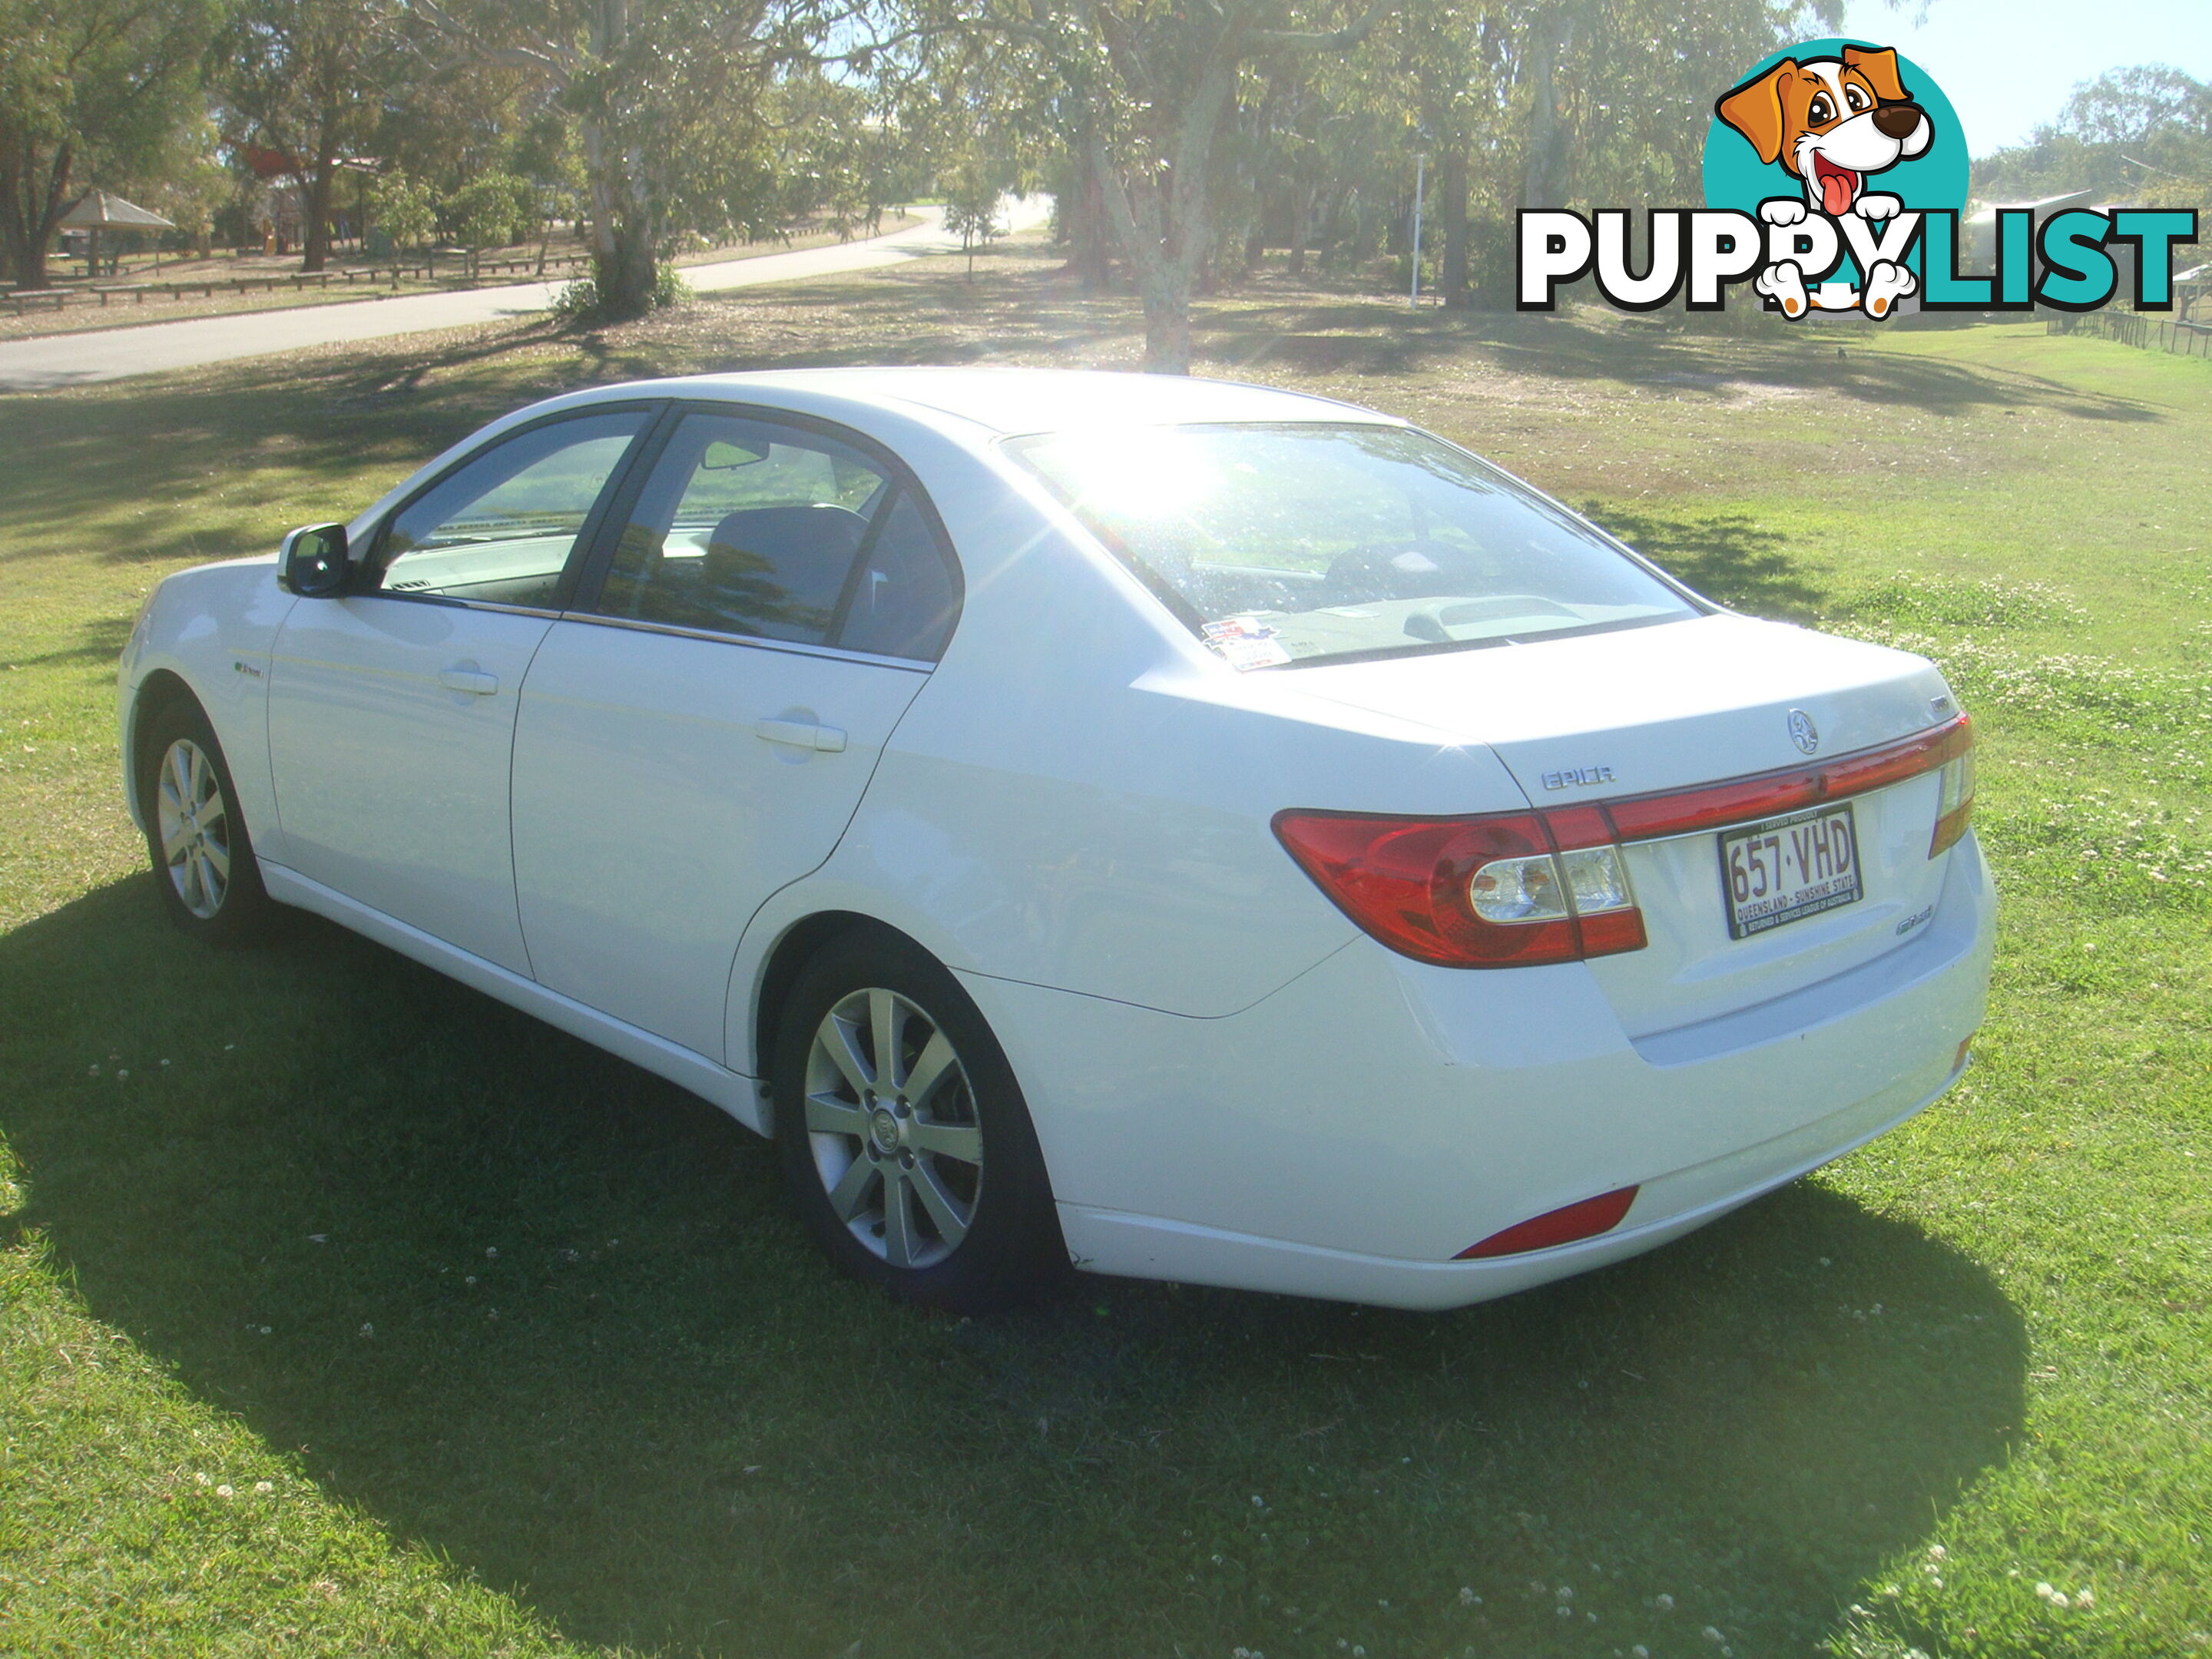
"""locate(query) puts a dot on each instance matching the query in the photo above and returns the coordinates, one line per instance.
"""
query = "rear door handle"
(474, 680)
(799, 734)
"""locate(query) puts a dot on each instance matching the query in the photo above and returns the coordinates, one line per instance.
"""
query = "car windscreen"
(1280, 544)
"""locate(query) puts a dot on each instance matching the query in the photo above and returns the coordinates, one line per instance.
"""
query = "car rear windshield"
(1302, 544)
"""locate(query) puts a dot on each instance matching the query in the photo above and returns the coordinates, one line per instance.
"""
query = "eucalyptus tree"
(304, 78)
(89, 87)
(1140, 92)
(2142, 134)
(667, 99)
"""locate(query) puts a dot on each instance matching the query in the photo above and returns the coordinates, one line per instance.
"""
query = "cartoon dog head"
(1830, 121)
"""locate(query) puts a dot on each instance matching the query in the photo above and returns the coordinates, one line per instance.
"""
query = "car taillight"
(1506, 889)
(1955, 804)
(1511, 890)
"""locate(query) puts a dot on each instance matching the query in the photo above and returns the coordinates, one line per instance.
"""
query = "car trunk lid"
(1615, 716)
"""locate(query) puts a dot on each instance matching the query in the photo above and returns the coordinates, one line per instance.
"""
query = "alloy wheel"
(194, 823)
(892, 1122)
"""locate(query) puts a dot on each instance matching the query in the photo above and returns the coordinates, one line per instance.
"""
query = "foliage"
(88, 89)
(303, 80)
(2141, 135)
(1141, 94)
(400, 207)
(491, 210)
(667, 101)
(1200, 135)
(578, 305)
(971, 201)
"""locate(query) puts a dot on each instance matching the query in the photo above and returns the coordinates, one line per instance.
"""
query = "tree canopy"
(2141, 135)
(86, 85)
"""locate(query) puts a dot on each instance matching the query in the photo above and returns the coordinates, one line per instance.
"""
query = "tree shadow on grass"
(608, 1375)
(99, 641)
(1729, 556)
(1368, 337)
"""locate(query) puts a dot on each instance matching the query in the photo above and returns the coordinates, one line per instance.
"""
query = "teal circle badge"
(1736, 175)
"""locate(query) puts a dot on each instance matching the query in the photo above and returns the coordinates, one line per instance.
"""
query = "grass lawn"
(344, 1310)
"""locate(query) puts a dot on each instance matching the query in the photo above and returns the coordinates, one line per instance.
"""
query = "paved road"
(64, 359)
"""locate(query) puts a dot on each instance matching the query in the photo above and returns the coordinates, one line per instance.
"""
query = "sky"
(2008, 66)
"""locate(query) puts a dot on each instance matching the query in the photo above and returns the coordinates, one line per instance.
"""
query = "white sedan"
(1185, 829)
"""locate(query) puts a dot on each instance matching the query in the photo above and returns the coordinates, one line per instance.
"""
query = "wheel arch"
(786, 960)
(157, 691)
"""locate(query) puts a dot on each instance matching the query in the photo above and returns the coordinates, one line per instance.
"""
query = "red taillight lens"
(1496, 891)
(1564, 1225)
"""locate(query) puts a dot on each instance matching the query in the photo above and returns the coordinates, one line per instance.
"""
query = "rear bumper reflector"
(1564, 1225)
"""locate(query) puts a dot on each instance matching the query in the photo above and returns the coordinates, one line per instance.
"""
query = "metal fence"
(2145, 333)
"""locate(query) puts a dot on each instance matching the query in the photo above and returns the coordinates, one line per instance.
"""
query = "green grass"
(533, 1360)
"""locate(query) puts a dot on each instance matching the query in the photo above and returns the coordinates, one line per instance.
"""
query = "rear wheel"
(196, 837)
(906, 1142)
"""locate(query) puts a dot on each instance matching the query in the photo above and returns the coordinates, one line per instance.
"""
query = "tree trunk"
(1162, 221)
(1302, 213)
(1452, 277)
(1167, 320)
(34, 198)
(315, 207)
(1090, 247)
(1544, 177)
(623, 274)
(622, 242)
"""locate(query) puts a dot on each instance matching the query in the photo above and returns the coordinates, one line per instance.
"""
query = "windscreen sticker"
(1245, 642)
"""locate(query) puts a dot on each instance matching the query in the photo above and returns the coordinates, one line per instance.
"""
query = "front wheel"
(196, 837)
(907, 1145)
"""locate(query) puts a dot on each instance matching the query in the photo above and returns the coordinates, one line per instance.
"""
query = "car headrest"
(780, 570)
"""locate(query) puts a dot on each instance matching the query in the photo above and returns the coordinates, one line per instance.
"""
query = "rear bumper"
(1351, 1134)
(1147, 1247)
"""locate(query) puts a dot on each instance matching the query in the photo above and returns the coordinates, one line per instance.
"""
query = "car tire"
(928, 1181)
(197, 840)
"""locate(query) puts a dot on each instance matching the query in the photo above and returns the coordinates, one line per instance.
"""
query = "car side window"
(751, 528)
(904, 600)
(502, 524)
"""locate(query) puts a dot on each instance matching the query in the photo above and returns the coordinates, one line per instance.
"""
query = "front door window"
(501, 526)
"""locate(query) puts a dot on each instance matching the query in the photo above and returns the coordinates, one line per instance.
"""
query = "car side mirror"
(313, 562)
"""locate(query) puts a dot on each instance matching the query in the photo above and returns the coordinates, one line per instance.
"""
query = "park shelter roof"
(101, 211)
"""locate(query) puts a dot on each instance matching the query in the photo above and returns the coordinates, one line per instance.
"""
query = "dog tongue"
(1836, 193)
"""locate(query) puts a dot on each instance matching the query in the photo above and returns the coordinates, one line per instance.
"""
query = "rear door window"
(750, 528)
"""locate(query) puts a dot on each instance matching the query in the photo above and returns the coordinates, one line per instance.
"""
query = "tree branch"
(1341, 40)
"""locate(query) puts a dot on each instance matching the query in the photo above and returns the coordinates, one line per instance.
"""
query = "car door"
(698, 732)
(392, 708)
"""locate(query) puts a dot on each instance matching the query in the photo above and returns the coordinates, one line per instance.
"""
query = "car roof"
(1009, 400)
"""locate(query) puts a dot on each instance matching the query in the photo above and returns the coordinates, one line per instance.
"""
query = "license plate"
(1785, 869)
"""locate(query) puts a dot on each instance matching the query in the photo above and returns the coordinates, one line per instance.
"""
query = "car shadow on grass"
(547, 1316)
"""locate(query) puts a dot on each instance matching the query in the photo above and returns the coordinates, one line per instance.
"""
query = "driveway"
(111, 354)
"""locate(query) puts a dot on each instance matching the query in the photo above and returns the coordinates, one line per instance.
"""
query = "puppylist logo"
(1835, 173)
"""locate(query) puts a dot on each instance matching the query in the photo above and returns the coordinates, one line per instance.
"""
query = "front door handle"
(473, 680)
(801, 734)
